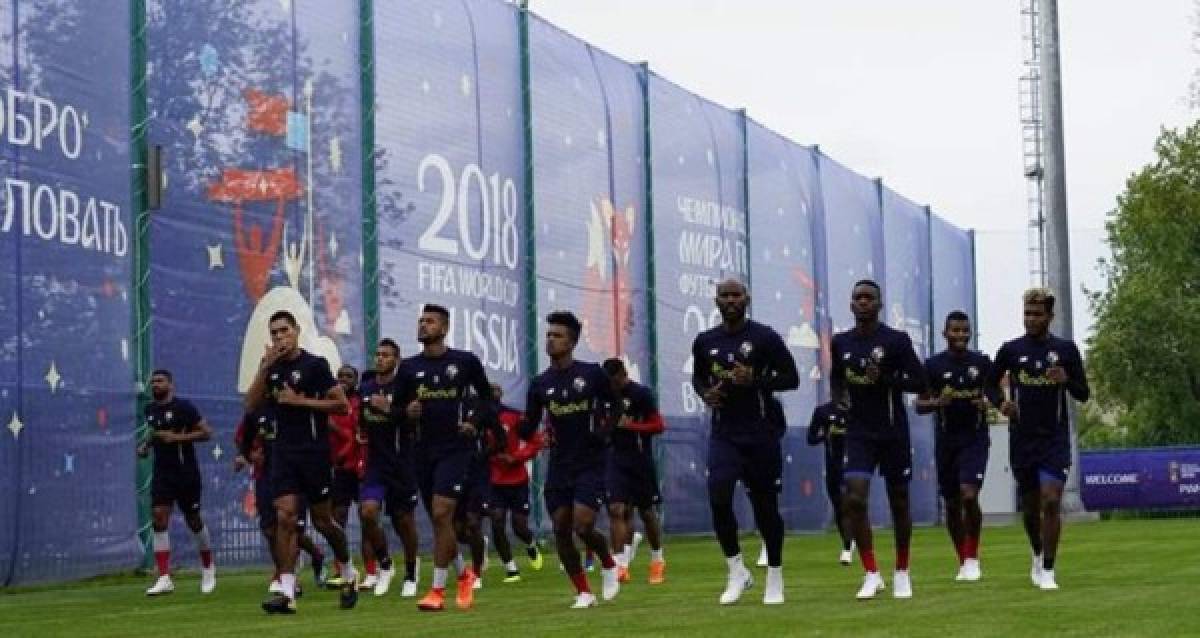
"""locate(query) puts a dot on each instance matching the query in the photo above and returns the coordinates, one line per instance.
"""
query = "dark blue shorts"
(755, 459)
(514, 498)
(181, 488)
(308, 474)
(582, 487)
(264, 502)
(475, 495)
(961, 462)
(345, 487)
(632, 481)
(395, 489)
(892, 457)
(1036, 459)
(443, 473)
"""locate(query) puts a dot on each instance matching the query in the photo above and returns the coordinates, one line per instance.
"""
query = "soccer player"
(441, 377)
(632, 480)
(579, 399)
(482, 415)
(828, 426)
(1043, 370)
(509, 491)
(737, 367)
(348, 466)
(174, 425)
(873, 366)
(956, 399)
(299, 390)
(390, 482)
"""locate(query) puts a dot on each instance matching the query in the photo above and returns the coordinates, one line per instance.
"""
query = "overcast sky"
(924, 94)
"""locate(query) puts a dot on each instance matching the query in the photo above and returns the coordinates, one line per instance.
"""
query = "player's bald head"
(732, 284)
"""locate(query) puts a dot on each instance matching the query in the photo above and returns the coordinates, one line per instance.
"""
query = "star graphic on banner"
(69, 463)
(601, 138)
(333, 245)
(465, 85)
(214, 257)
(425, 86)
(217, 452)
(766, 254)
(710, 156)
(125, 349)
(84, 117)
(15, 426)
(567, 140)
(787, 251)
(779, 211)
(195, 126)
(53, 378)
(285, 4)
(335, 154)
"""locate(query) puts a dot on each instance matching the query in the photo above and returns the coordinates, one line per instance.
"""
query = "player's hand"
(981, 403)
(166, 436)
(467, 429)
(381, 403)
(548, 439)
(256, 456)
(413, 410)
(1057, 374)
(288, 396)
(713, 396)
(743, 374)
(239, 462)
(624, 422)
(271, 354)
(873, 372)
(1009, 409)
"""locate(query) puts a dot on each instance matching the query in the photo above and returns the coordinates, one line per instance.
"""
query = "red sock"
(902, 559)
(206, 558)
(972, 547)
(868, 559)
(163, 559)
(581, 582)
(372, 566)
(607, 562)
(961, 550)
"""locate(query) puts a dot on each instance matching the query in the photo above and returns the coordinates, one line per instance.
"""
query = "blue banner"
(1140, 479)
(953, 258)
(449, 178)
(67, 507)
(256, 107)
(699, 238)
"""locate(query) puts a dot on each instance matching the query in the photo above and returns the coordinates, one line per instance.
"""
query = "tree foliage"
(1145, 355)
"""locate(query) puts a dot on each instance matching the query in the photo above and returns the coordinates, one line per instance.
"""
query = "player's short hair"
(1041, 296)
(286, 316)
(347, 366)
(867, 282)
(568, 320)
(957, 315)
(613, 366)
(163, 372)
(437, 310)
(387, 342)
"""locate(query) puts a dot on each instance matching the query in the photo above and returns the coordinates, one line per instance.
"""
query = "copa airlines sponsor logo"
(1026, 379)
(1116, 478)
(425, 393)
(564, 409)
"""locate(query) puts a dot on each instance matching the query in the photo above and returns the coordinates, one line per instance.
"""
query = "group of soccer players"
(431, 428)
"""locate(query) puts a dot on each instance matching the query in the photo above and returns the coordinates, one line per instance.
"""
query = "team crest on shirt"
(169, 415)
(947, 375)
(451, 371)
(274, 376)
(420, 374)
(579, 384)
(1052, 358)
(549, 392)
(1023, 359)
(846, 356)
(713, 352)
(746, 348)
(972, 373)
(295, 376)
(877, 354)
(628, 403)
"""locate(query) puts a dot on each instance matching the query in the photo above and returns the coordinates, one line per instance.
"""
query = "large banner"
(449, 177)
(953, 259)
(67, 507)
(784, 202)
(256, 107)
(589, 194)
(1140, 479)
(906, 296)
(699, 238)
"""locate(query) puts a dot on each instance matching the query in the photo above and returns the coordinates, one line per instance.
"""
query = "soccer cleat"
(512, 577)
(466, 590)
(435, 600)
(622, 574)
(348, 597)
(408, 589)
(971, 572)
(369, 582)
(584, 600)
(1048, 583)
(164, 585)
(279, 604)
(773, 592)
(334, 582)
(1035, 572)
(535, 558)
(846, 558)
(384, 581)
(275, 587)
(208, 580)
(478, 583)
(961, 576)
(739, 580)
(610, 583)
(320, 574)
(657, 574)
(901, 584)
(762, 557)
(872, 585)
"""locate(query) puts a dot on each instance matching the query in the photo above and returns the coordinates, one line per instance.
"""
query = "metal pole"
(1058, 254)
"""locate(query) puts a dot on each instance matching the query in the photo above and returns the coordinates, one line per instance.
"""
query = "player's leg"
(1029, 493)
(833, 489)
(896, 467)
(160, 519)
(404, 522)
(946, 461)
(287, 505)
(1050, 493)
(618, 526)
(724, 469)
(498, 515)
(657, 570)
(370, 513)
(518, 507)
(762, 474)
(860, 463)
(208, 571)
(443, 482)
(562, 511)
(588, 502)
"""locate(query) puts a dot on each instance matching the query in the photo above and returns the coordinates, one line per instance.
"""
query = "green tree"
(1145, 355)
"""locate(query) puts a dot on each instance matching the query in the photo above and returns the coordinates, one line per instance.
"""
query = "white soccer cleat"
(163, 585)
(773, 592)
(971, 571)
(1048, 583)
(610, 583)
(872, 585)
(384, 582)
(962, 573)
(584, 600)
(1035, 572)
(846, 557)
(901, 584)
(740, 579)
(408, 589)
(369, 582)
(762, 557)
(275, 587)
(478, 582)
(208, 580)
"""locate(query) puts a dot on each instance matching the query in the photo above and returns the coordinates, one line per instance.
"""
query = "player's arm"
(710, 395)
(930, 398)
(654, 423)
(330, 399)
(256, 394)
(779, 374)
(531, 420)
(1076, 381)
(910, 374)
(995, 373)
(991, 391)
(612, 407)
(199, 432)
(479, 379)
(816, 428)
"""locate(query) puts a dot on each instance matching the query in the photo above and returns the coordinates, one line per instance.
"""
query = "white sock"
(289, 585)
(734, 562)
(459, 563)
(201, 538)
(162, 541)
(348, 571)
(439, 577)
(627, 554)
(656, 554)
(511, 566)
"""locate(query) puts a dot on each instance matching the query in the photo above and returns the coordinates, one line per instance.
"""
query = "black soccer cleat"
(279, 604)
(349, 596)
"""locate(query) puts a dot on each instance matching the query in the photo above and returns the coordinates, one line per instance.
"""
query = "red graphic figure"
(238, 186)
(331, 282)
(267, 114)
(607, 290)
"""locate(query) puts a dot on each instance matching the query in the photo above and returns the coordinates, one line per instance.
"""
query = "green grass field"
(1118, 578)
